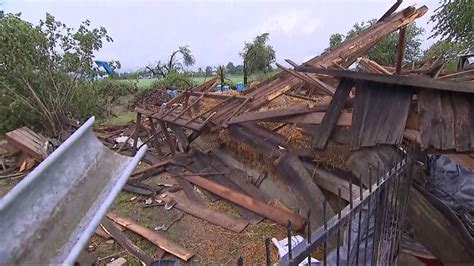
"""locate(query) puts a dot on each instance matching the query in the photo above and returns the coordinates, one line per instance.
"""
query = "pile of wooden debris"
(307, 135)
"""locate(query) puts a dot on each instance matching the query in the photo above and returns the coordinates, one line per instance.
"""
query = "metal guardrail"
(50, 215)
(371, 225)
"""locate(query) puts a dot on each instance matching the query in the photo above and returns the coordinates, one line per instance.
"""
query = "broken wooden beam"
(275, 214)
(277, 113)
(232, 223)
(321, 136)
(315, 118)
(333, 183)
(325, 88)
(407, 81)
(300, 182)
(152, 236)
(214, 95)
(151, 167)
(29, 142)
(109, 227)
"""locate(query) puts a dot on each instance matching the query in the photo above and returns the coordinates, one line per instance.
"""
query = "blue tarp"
(105, 65)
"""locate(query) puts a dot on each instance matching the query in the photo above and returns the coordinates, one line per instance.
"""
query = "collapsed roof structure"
(321, 148)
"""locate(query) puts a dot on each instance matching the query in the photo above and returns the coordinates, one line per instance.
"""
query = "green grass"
(144, 84)
(120, 118)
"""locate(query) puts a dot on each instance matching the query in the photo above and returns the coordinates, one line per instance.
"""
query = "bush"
(47, 72)
(174, 79)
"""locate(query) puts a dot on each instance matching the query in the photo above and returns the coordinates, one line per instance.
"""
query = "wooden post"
(167, 136)
(156, 141)
(401, 49)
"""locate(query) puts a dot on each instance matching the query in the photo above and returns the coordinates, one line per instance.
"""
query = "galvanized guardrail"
(50, 215)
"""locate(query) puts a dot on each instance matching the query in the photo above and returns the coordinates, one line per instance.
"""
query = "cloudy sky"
(147, 31)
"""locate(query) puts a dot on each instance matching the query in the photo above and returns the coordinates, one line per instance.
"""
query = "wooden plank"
(323, 87)
(252, 217)
(154, 132)
(447, 114)
(436, 116)
(232, 223)
(315, 118)
(275, 214)
(214, 95)
(220, 179)
(265, 134)
(196, 126)
(181, 136)
(339, 98)
(27, 141)
(462, 124)
(214, 165)
(471, 103)
(238, 177)
(151, 167)
(438, 229)
(137, 190)
(277, 113)
(408, 81)
(152, 236)
(332, 183)
(187, 187)
(168, 138)
(300, 182)
(363, 163)
(109, 227)
(379, 116)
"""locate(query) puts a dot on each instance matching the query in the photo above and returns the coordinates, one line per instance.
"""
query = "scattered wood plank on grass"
(109, 227)
(275, 214)
(232, 223)
(152, 236)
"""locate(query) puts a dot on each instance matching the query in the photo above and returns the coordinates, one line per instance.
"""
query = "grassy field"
(145, 83)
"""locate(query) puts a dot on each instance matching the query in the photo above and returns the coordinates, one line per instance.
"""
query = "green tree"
(448, 51)
(221, 71)
(335, 39)
(454, 21)
(257, 56)
(176, 63)
(208, 71)
(47, 72)
(231, 68)
(385, 51)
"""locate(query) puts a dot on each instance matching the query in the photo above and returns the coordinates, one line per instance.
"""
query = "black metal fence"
(368, 230)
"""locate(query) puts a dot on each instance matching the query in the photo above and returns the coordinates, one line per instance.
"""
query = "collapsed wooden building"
(315, 133)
